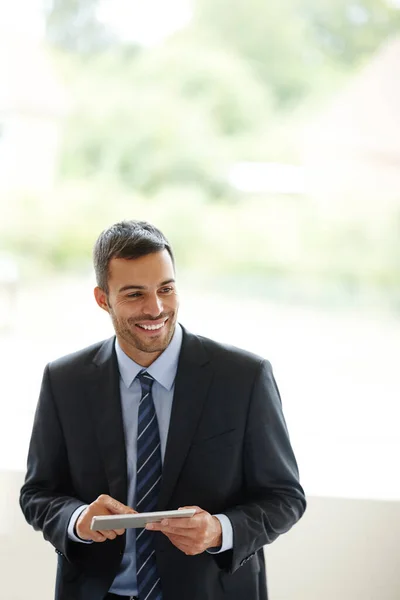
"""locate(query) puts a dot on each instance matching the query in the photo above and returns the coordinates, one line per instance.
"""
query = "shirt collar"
(163, 369)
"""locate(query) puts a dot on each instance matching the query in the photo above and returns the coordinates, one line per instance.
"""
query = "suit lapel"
(191, 386)
(104, 397)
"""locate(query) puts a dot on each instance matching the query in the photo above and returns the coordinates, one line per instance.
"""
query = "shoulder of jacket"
(77, 358)
(231, 354)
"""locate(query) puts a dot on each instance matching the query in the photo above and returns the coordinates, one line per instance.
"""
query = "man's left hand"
(192, 535)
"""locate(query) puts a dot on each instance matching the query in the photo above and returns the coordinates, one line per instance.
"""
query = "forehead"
(148, 270)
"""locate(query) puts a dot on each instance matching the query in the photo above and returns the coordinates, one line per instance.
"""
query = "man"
(157, 418)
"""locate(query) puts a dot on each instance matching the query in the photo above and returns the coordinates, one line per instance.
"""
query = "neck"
(144, 359)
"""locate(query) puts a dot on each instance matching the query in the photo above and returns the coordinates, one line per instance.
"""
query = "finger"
(180, 539)
(170, 525)
(119, 531)
(109, 534)
(183, 546)
(114, 506)
(197, 509)
(182, 524)
(96, 536)
(171, 528)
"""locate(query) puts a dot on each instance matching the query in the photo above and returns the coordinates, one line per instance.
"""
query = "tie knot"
(146, 380)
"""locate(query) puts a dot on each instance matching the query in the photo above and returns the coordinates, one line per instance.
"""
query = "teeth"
(152, 327)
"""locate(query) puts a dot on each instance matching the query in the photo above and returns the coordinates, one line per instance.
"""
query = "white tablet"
(134, 521)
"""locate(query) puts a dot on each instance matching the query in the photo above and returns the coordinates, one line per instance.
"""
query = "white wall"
(342, 549)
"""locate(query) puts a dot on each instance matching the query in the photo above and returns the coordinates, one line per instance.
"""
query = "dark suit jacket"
(227, 451)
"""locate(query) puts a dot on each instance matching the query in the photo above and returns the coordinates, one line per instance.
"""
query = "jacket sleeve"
(274, 498)
(46, 497)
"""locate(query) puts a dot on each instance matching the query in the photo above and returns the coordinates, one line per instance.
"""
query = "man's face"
(143, 304)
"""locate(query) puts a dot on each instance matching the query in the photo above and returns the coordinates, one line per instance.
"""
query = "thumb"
(197, 508)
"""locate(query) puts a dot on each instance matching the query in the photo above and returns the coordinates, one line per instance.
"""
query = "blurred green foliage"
(295, 45)
(268, 246)
(170, 115)
(154, 131)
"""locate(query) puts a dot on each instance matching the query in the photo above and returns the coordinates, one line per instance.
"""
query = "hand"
(192, 535)
(104, 505)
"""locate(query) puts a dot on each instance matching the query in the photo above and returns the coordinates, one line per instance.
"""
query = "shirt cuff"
(71, 525)
(227, 535)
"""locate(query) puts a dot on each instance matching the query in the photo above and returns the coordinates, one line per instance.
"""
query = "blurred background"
(264, 140)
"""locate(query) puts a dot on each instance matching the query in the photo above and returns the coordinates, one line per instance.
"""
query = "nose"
(153, 306)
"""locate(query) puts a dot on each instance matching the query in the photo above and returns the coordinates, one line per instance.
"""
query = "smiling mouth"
(155, 327)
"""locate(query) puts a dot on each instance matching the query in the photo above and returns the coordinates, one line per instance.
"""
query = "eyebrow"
(143, 287)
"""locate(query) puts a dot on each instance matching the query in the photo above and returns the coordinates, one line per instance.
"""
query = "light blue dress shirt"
(163, 370)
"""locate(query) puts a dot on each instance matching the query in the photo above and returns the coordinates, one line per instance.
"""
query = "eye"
(166, 290)
(134, 295)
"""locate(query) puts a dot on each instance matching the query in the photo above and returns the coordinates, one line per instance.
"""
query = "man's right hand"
(104, 505)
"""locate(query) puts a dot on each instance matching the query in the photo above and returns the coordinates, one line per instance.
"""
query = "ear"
(101, 298)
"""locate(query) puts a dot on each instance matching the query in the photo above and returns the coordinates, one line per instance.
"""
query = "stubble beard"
(126, 330)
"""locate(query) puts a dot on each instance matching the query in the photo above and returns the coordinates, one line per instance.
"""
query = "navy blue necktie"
(148, 481)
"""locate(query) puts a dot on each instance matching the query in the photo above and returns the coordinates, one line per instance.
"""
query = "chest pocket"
(217, 442)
